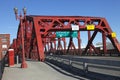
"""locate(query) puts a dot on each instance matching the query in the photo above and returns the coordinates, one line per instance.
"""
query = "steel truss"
(40, 35)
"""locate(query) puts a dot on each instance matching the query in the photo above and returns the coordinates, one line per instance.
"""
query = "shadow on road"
(77, 73)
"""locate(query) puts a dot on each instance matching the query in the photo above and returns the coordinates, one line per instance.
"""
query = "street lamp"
(21, 18)
(24, 10)
(16, 12)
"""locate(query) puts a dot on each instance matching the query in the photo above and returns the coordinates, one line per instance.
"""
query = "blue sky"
(110, 9)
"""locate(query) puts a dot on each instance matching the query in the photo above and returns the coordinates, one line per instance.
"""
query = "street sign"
(113, 34)
(60, 34)
(75, 27)
(90, 27)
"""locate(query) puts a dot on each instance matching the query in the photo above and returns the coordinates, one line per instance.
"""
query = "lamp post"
(21, 18)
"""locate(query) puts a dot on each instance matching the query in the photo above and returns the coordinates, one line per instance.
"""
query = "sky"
(110, 9)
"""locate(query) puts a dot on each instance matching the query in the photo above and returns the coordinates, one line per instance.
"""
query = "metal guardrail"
(70, 62)
(85, 66)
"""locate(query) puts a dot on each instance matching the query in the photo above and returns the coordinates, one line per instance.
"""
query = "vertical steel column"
(48, 46)
(39, 40)
(90, 48)
(45, 48)
(104, 43)
(79, 44)
(54, 46)
(59, 44)
(64, 45)
(51, 47)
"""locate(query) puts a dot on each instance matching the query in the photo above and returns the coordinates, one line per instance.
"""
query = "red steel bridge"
(38, 35)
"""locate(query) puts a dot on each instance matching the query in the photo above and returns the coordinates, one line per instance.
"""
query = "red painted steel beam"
(90, 48)
(64, 41)
(39, 40)
(104, 43)
(90, 42)
(79, 44)
(41, 30)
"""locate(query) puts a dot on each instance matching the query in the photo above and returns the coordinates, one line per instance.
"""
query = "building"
(4, 44)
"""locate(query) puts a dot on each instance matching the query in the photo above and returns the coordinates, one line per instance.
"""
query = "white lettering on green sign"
(60, 34)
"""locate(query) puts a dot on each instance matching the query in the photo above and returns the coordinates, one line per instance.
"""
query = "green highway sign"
(60, 34)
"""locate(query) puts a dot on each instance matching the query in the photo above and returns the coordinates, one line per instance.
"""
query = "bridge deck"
(37, 71)
(98, 67)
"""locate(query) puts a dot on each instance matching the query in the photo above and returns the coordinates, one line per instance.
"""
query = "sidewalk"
(36, 71)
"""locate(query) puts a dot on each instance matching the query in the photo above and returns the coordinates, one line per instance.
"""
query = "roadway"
(98, 67)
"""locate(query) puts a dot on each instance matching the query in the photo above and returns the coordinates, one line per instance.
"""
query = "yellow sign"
(90, 27)
(113, 34)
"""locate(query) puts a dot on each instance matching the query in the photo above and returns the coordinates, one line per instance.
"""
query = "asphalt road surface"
(38, 71)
